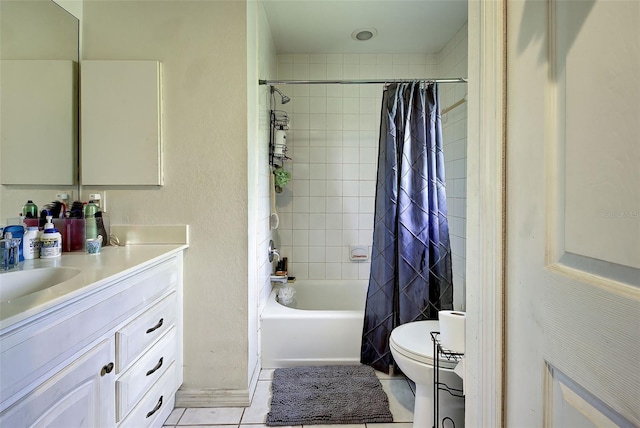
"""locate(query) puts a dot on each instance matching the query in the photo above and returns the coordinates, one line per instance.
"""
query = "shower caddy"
(278, 151)
(438, 351)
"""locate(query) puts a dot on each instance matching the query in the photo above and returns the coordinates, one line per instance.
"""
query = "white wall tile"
(317, 105)
(300, 205)
(316, 204)
(317, 271)
(300, 237)
(334, 223)
(350, 171)
(299, 253)
(334, 238)
(334, 155)
(317, 71)
(366, 204)
(285, 237)
(334, 172)
(350, 188)
(301, 154)
(334, 188)
(350, 205)
(300, 188)
(318, 58)
(317, 171)
(318, 121)
(318, 187)
(334, 71)
(367, 188)
(317, 221)
(334, 122)
(300, 221)
(333, 271)
(299, 270)
(350, 270)
(333, 254)
(317, 253)
(364, 270)
(350, 221)
(349, 237)
(334, 204)
(317, 154)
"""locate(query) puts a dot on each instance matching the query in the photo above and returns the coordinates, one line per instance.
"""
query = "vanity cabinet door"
(80, 395)
(120, 112)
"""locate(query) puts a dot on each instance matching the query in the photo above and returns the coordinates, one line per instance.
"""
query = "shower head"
(285, 99)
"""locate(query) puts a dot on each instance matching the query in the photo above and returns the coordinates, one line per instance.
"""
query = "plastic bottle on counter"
(31, 244)
(90, 226)
(30, 210)
(50, 240)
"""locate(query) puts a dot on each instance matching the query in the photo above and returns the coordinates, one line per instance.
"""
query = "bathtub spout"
(278, 278)
(274, 254)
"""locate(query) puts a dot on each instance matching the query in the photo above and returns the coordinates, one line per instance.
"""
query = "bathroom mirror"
(39, 109)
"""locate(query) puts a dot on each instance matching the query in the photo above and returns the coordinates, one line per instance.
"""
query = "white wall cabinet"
(121, 129)
(38, 126)
(111, 358)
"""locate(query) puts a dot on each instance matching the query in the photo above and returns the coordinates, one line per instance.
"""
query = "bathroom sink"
(23, 282)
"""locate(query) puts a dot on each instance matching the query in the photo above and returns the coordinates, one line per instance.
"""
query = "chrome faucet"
(273, 252)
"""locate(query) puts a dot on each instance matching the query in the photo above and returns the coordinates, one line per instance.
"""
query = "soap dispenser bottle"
(50, 241)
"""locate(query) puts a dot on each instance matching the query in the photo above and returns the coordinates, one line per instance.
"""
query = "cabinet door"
(120, 123)
(81, 395)
(38, 125)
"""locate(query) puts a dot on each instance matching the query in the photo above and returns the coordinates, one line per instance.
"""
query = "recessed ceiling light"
(363, 34)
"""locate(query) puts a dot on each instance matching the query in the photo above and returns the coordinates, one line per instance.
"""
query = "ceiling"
(325, 26)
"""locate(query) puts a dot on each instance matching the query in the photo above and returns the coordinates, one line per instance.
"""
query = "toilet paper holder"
(440, 386)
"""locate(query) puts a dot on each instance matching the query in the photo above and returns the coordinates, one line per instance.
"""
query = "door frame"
(486, 226)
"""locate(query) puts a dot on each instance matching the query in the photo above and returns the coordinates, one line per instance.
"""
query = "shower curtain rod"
(360, 82)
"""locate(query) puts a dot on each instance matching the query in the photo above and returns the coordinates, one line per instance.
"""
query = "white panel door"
(573, 214)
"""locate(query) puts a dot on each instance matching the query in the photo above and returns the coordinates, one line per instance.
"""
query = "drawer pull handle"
(106, 369)
(155, 327)
(150, 372)
(155, 409)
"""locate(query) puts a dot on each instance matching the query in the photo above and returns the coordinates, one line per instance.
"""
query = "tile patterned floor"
(399, 390)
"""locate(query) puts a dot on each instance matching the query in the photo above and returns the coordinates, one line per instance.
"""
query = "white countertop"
(96, 270)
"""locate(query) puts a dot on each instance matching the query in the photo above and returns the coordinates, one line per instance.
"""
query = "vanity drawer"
(145, 372)
(151, 406)
(133, 338)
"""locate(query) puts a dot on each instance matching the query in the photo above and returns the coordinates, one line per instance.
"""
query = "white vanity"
(100, 349)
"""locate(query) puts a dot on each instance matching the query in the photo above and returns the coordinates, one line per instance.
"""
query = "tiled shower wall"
(333, 140)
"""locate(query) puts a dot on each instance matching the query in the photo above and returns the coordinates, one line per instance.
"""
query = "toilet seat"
(414, 342)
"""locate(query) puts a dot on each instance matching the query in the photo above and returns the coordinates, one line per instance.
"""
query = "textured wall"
(202, 46)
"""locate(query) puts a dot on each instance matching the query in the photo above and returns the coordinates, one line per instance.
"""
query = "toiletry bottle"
(30, 210)
(31, 244)
(6, 256)
(90, 226)
(50, 241)
(17, 233)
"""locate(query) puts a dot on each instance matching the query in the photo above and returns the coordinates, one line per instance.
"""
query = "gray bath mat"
(327, 395)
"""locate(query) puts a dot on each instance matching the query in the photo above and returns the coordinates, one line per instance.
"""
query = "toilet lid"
(414, 341)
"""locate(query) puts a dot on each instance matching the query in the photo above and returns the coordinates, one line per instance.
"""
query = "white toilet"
(412, 350)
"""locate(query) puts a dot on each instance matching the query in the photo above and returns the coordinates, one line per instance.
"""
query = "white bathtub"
(324, 326)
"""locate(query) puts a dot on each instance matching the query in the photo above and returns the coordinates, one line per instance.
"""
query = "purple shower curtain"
(411, 276)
